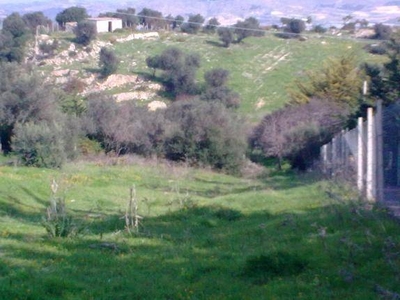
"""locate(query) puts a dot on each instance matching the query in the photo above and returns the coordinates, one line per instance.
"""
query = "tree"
(22, 99)
(347, 19)
(151, 19)
(13, 38)
(178, 21)
(363, 23)
(246, 28)
(126, 15)
(225, 35)
(216, 89)
(212, 25)
(71, 14)
(216, 77)
(319, 29)
(179, 70)
(296, 26)
(204, 133)
(297, 132)
(193, 24)
(15, 25)
(71, 100)
(382, 32)
(340, 81)
(39, 144)
(124, 127)
(153, 62)
(108, 62)
(170, 20)
(35, 19)
(85, 32)
(384, 81)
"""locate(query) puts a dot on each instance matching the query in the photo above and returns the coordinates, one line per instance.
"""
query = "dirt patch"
(260, 103)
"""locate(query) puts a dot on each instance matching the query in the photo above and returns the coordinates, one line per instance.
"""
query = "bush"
(108, 62)
(194, 24)
(320, 29)
(216, 89)
(89, 147)
(39, 144)
(205, 133)
(48, 49)
(85, 32)
(124, 128)
(225, 36)
(380, 49)
(57, 222)
(382, 32)
(179, 70)
(297, 132)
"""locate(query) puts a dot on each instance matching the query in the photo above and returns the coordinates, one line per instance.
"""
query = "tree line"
(45, 126)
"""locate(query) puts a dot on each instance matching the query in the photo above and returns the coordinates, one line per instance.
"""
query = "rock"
(139, 36)
(137, 95)
(60, 73)
(154, 105)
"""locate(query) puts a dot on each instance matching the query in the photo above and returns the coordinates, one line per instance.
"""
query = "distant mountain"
(228, 11)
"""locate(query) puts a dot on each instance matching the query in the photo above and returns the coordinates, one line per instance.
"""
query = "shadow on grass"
(204, 252)
(93, 70)
(215, 44)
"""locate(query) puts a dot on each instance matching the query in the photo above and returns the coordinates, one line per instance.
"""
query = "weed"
(57, 222)
(132, 218)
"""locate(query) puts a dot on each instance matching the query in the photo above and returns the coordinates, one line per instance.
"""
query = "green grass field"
(199, 237)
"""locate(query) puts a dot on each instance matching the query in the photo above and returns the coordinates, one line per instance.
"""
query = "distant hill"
(228, 11)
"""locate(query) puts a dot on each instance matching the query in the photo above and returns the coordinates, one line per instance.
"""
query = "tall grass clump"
(57, 222)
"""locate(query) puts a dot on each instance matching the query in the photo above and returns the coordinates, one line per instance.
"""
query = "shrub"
(85, 32)
(89, 147)
(108, 62)
(179, 70)
(297, 132)
(205, 133)
(225, 36)
(57, 222)
(194, 24)
(39, 144)
(216, 89)
(320, 29)
(49, 48)
(380, 49)
(124, 127)
(382, 32)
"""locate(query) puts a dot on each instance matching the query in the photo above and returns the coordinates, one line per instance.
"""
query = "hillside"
(261, 69)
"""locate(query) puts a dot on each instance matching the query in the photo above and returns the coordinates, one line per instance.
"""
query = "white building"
(106, 24)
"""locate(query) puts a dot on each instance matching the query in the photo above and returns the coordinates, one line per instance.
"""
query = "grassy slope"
(261, 69)
(198, 230)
